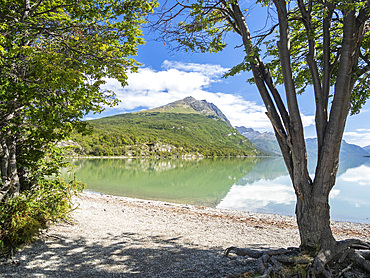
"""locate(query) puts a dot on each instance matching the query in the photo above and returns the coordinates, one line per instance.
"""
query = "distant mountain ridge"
(345, 150)
(192, 105)
(266, 142)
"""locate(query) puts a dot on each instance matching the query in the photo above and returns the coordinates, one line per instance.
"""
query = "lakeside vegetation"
(162, 134)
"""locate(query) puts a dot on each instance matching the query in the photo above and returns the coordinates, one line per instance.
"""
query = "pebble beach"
(112, 236)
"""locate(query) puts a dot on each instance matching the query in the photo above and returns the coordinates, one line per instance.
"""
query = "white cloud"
(150, 88)
(359, 175)
(307, 120)
(169, 80)
(359, 137)
(263, 193)
(363, 130)
(334, 193)
(258, 195)
(206, 69)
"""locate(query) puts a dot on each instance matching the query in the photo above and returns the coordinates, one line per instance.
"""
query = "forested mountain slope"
(164, 133)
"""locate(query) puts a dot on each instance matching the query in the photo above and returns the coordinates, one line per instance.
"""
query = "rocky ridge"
(191, 104)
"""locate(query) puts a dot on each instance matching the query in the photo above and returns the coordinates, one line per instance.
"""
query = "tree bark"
(9, 174)
(4, 161)
(13, 171)
(313, 219)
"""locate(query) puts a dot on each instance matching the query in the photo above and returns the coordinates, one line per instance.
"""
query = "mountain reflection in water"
(251, 184)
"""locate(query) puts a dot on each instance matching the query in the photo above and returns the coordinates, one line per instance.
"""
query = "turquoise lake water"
(248, 184)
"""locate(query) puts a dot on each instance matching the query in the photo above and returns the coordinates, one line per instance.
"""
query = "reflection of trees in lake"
(267, 169)
(203, 182)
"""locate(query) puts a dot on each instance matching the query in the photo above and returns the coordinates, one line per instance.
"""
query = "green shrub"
(24, 216)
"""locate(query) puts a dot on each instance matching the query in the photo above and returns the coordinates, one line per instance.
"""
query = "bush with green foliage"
(24, 216)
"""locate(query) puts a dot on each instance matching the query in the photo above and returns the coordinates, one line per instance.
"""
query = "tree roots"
(348, 258)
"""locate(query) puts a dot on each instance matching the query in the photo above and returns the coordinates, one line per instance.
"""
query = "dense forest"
(162, 134)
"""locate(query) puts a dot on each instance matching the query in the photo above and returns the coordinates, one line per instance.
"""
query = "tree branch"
(262, 78)
(299, 155)
(320, 98)
(340, 107)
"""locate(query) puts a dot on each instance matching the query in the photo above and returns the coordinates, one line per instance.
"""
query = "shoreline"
(114, 236)
(220, 210)
(185, 157)
(207, 208)
(340, 228)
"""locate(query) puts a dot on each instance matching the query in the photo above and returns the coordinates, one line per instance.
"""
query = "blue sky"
(166, 76)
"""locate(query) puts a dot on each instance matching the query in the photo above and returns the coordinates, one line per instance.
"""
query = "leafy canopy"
(54, 56)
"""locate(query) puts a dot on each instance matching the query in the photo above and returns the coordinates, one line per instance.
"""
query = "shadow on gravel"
(123, 257)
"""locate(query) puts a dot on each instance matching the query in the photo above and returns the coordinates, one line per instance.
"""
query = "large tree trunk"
(10, 185)
(313, 218)
(312, 207)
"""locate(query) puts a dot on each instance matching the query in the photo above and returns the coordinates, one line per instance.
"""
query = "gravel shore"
(121, 237)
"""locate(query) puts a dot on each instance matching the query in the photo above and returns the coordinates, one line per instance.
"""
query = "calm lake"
(248, 184)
